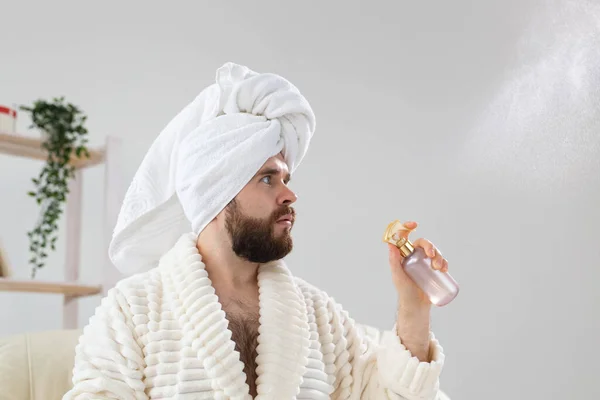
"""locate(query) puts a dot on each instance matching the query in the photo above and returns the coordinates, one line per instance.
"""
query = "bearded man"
(210, 310)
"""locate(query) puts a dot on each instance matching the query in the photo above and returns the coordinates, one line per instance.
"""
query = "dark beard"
(254, 239)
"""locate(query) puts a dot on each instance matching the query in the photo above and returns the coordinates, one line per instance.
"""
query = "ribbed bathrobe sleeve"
(371, 364)
(109, 362)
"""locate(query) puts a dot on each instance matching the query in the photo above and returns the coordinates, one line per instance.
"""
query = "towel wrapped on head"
(203, 159)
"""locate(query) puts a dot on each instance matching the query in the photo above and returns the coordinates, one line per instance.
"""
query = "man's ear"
(218, 217)
(221, 214)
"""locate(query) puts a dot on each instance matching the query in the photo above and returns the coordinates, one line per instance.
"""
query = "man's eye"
(266, 179)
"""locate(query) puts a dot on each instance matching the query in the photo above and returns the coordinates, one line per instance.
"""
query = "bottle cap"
(391, 235)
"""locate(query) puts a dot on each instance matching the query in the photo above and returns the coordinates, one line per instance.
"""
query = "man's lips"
(289, 219)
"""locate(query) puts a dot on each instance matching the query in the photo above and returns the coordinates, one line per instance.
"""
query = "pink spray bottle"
(439, 286)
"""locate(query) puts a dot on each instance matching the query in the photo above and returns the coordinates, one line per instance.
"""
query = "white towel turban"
(204, 157)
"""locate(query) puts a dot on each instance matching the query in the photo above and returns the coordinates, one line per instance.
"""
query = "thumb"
(394, 255)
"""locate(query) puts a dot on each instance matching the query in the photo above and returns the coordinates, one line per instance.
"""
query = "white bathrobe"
(162, 334)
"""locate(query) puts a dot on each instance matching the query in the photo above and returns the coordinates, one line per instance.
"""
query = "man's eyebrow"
(273, 171)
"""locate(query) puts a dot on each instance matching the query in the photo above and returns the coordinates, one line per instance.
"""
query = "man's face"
(260, 218)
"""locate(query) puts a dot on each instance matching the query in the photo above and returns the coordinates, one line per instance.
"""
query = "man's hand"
(410, 295)
(414, 307)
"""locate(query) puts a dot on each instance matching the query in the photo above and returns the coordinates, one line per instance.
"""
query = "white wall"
(480, 120)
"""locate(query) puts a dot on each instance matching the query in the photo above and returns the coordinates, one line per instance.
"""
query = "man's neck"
(235, 280)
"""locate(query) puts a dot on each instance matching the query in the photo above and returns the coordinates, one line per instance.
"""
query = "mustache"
(284, 211)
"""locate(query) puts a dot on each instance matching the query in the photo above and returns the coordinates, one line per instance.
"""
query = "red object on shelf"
(8, 111)
(8, 119)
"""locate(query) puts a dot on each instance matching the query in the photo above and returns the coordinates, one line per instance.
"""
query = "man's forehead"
(276, 162)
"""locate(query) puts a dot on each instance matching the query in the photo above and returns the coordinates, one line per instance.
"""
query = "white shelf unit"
(71, 289)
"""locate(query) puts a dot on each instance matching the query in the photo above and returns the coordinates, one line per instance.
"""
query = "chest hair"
(244, 329)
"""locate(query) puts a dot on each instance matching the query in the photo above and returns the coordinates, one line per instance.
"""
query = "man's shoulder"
(304, 284)
(311, 289)
(172, 260)
(136, 281)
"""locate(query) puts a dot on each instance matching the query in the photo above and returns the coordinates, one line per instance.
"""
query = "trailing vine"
(64, 138)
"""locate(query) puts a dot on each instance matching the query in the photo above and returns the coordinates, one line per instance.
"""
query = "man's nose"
(287, 197)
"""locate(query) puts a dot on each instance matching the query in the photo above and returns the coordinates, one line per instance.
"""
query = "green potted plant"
(63, 138)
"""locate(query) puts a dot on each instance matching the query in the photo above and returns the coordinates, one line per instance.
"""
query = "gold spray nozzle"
(391, 235)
